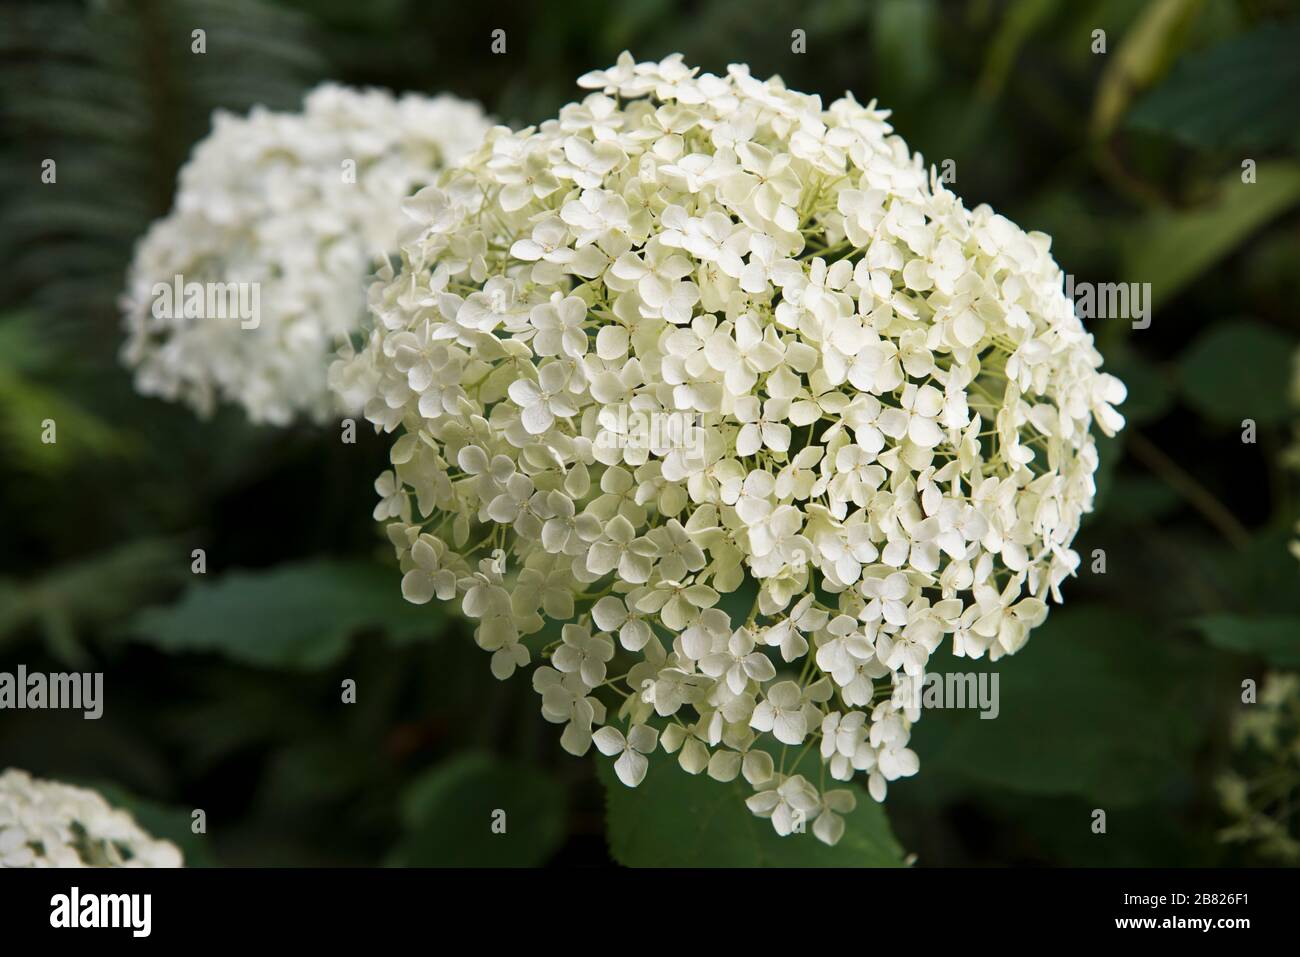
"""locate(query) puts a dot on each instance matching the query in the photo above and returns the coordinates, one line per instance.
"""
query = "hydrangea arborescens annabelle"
(48, 824)
(886, 402)
(291, 209)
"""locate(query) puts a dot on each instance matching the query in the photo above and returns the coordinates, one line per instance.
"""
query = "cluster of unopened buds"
(49, 824)
(878, 404)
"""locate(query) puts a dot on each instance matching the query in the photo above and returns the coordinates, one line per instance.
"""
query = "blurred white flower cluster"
(1261, 795)
(881, 400)
(48, 824)
(289, 210)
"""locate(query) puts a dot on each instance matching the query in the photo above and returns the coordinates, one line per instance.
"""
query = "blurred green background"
(223, 691)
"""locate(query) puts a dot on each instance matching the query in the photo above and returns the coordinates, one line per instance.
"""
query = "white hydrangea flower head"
(49, 824)
(293, 209)
(882, 405)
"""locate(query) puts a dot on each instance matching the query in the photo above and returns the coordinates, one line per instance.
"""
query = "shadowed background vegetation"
(223, 691)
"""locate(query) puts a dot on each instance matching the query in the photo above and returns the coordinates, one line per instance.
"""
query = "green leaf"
(80, 596)
(1097, 704)
(674, 819)
(27, 402)
(292, 616)
(1171, 249)
(119, 99)
(448, 815)
(1143, 55)
(1263, 577)
(1275, 637)
(1238, 369)
(1243, 92)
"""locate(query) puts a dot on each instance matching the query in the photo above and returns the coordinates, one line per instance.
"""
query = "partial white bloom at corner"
(50, 824)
